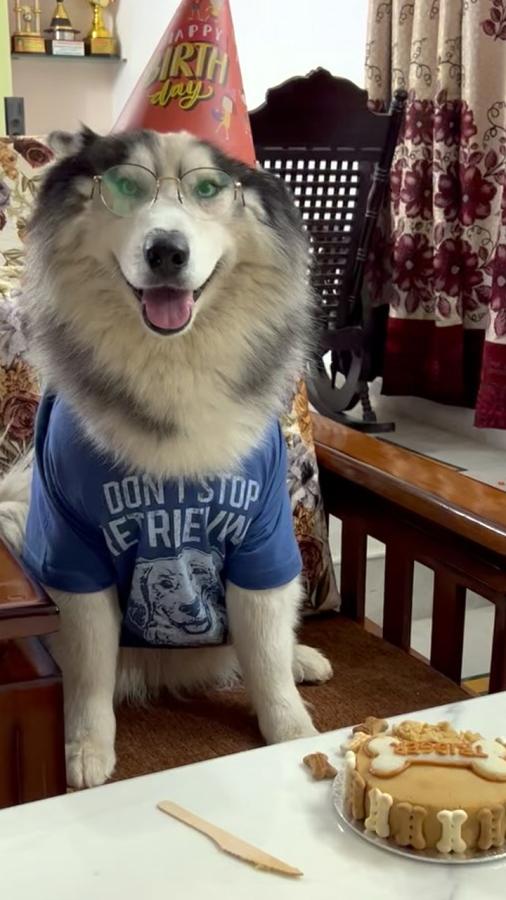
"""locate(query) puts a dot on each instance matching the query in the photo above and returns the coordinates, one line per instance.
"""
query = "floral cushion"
(22, 164)
(307, 507)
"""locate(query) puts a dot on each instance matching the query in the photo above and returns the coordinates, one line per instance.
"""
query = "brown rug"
(370, 678)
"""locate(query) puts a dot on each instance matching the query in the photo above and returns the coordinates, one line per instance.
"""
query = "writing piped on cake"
(391, 756)
(440, 748)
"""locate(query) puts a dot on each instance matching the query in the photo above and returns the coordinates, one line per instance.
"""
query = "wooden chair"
(317, 133)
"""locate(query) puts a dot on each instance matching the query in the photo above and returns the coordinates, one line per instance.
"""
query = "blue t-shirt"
(168, 545)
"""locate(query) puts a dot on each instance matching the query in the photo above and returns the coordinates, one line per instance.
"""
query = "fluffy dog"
(167, 305)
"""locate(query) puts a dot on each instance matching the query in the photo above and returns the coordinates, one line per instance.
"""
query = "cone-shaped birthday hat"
(193, 82)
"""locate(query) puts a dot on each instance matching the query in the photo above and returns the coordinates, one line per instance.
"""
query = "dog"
(167, 306)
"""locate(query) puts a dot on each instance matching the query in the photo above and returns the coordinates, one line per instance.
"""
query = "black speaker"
(14, 115)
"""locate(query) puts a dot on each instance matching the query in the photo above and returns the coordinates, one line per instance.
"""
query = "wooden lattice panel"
(326, 190)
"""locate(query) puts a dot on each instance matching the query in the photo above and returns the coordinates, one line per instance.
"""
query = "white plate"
(430, 856)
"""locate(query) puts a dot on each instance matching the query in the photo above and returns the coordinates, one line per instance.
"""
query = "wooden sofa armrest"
(25, 609)
(423, 486)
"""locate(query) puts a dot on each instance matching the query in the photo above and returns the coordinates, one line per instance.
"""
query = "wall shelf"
(57, 58)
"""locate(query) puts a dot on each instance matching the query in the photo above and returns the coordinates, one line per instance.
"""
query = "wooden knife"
(228, 842)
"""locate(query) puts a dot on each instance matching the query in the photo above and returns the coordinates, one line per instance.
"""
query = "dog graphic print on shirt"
(178, 601)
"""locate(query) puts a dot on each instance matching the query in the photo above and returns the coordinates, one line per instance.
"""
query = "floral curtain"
(446, 245)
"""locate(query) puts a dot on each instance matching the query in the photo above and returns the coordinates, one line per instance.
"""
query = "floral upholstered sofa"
(23, 162)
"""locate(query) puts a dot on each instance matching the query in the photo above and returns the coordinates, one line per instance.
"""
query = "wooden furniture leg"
(31, 724)
(448, 616)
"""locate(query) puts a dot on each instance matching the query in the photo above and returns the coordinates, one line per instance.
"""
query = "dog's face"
(175, 207)
(163, 212)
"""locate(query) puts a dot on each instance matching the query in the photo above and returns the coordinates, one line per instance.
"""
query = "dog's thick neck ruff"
(192, 399)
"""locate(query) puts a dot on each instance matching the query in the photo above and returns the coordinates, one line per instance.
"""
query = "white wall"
(62, 94)
(275, 38)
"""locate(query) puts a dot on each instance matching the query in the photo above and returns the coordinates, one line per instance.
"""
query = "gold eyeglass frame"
(97, 182)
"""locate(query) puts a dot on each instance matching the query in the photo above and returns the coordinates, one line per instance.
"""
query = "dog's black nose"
(166, 252)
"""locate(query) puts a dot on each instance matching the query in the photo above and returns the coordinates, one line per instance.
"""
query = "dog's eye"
(128, 187)
(206, 189)
(125, 188)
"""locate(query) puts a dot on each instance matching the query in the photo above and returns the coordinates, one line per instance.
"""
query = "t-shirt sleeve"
(269, 555)
(62, 548)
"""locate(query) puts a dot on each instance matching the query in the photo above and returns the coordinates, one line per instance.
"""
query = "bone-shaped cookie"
(391, 756)
(379, 811)
(354, 788)
(409, 832)
(492, 823)
(451, 840)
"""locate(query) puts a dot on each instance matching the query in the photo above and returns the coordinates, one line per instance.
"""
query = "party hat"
(193, 82)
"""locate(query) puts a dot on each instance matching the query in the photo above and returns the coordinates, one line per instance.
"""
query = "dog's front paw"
(310, 665)
(286, 722)
(89, 762)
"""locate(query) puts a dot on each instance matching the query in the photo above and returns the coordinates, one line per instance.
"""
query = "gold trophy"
(100, 41)
(28, 37)
(62, 36)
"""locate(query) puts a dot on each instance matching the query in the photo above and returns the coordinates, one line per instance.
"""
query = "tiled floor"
(472, 453)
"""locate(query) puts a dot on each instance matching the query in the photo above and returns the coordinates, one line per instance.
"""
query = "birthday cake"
(428, 786)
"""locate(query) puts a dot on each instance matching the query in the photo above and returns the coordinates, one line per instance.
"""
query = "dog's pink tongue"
(167, 308)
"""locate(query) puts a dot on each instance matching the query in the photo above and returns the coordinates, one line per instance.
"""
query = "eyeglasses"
(125, 189)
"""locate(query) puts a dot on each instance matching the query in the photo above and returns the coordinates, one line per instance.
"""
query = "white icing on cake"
(390, 756)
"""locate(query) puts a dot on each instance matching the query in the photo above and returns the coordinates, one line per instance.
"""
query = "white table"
(111, 843)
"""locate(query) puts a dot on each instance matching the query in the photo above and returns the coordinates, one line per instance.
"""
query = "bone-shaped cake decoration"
(451, 840)
(492, 823)
(391, 756)
(379, 810)
(350, 761)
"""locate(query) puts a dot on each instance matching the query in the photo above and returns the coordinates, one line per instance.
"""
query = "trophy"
(27, 38)
(100, 41)
(62, 40)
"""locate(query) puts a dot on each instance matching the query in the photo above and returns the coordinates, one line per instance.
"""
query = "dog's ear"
(63, 143)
